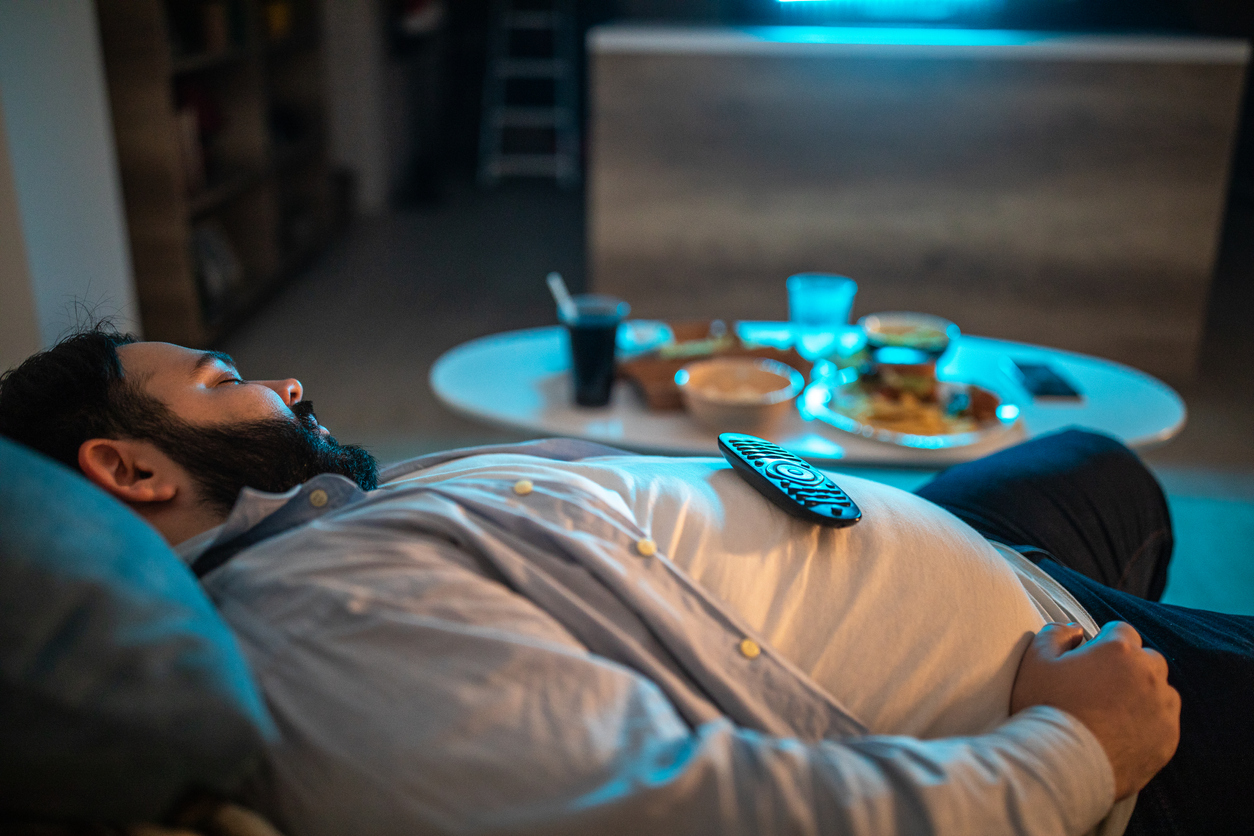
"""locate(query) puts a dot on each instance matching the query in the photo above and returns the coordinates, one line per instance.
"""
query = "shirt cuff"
(1074, 759)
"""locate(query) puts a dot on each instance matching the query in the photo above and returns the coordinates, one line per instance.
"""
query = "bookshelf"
(219, 119)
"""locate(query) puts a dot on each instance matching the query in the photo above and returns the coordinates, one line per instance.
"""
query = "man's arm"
(532, 741)
(1114, 686)
(398, 716)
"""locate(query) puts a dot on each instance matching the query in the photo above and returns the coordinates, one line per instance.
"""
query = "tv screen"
(923, 11)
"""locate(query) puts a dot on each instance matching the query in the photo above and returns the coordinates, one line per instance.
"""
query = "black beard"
(272, 454)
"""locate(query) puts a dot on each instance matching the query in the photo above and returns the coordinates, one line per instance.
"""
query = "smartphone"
(1043, 381)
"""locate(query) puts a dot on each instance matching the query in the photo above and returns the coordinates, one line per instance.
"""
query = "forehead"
(166, 364)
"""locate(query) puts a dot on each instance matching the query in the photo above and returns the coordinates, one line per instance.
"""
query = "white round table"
(521, 380)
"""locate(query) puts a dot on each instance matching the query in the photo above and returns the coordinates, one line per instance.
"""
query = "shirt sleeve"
(404, 720)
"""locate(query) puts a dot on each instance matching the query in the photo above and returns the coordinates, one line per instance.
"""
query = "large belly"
(909, 618)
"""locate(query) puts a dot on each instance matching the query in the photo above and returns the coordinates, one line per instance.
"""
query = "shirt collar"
(258, 515)
(191, 548)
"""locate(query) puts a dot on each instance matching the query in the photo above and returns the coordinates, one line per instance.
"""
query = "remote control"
(788, 481)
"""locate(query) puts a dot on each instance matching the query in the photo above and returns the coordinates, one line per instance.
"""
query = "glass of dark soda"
(593, 332)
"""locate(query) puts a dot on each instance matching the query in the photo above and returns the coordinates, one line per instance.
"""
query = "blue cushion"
(120, 686)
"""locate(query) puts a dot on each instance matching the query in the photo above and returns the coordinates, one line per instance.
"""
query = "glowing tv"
(920, 10)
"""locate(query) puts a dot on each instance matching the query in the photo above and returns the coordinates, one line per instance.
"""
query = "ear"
(133, 471)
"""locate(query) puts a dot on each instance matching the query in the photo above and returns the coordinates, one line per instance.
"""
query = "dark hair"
(74, 391)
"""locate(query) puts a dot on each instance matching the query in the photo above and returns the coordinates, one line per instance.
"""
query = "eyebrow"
(210, 357)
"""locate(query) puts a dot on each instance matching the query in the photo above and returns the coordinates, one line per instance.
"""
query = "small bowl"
(738, 394)
(904, 329)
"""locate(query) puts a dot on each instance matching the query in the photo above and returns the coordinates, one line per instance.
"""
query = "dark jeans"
(1091, 515)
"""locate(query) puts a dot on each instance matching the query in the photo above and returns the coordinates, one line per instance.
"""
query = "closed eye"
(209, 361)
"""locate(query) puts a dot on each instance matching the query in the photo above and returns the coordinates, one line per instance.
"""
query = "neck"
(180, 522)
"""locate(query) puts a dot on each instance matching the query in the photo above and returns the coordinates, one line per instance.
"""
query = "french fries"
(906, 414)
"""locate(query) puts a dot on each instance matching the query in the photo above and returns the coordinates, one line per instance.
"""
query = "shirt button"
(318, 498)
(523, 487)
(749, 649)
(646, 547)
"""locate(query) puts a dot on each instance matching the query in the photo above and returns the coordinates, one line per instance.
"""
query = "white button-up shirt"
(468, 657)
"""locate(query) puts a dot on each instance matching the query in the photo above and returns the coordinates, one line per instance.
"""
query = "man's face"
(228, 433)
(204, 388)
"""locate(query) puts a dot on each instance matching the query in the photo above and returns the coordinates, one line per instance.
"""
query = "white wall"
(64, 168)
(355, 78)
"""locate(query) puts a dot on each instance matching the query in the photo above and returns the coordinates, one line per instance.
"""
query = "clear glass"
(819, 305)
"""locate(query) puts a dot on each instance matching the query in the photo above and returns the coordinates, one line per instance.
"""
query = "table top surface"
(521, 380)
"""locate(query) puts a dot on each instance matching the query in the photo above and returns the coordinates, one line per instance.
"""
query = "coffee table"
(521, 380)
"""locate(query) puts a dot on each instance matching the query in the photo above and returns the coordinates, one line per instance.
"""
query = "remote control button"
(795, 473)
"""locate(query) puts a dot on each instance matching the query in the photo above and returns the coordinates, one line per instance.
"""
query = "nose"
(289, 390)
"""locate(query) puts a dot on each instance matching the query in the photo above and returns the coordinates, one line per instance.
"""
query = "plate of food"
(906, 405)
(653, 371)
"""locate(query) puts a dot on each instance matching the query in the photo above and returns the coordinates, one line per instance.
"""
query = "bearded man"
(559, 637)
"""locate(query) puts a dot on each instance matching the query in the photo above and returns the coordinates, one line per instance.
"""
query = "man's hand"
(1114, 686)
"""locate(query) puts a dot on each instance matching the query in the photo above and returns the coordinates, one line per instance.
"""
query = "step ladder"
(530, 125)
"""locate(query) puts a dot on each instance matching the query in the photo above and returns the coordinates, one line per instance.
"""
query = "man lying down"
(558, 637)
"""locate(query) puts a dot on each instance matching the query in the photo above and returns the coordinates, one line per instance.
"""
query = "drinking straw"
(562, 296)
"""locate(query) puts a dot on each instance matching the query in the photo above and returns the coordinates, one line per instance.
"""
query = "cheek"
(267, 404)
(243, 403)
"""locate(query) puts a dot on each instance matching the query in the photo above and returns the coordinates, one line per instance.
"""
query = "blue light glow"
(893, 36)
(852, 340)
(1008, 412)
(894, 355)
(894, 9)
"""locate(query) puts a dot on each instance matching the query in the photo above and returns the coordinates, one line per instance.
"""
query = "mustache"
(304, 412)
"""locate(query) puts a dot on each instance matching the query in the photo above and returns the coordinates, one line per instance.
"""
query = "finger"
(1176, 702)
(1158, 662)
(1119, 631)
(1056, 639)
